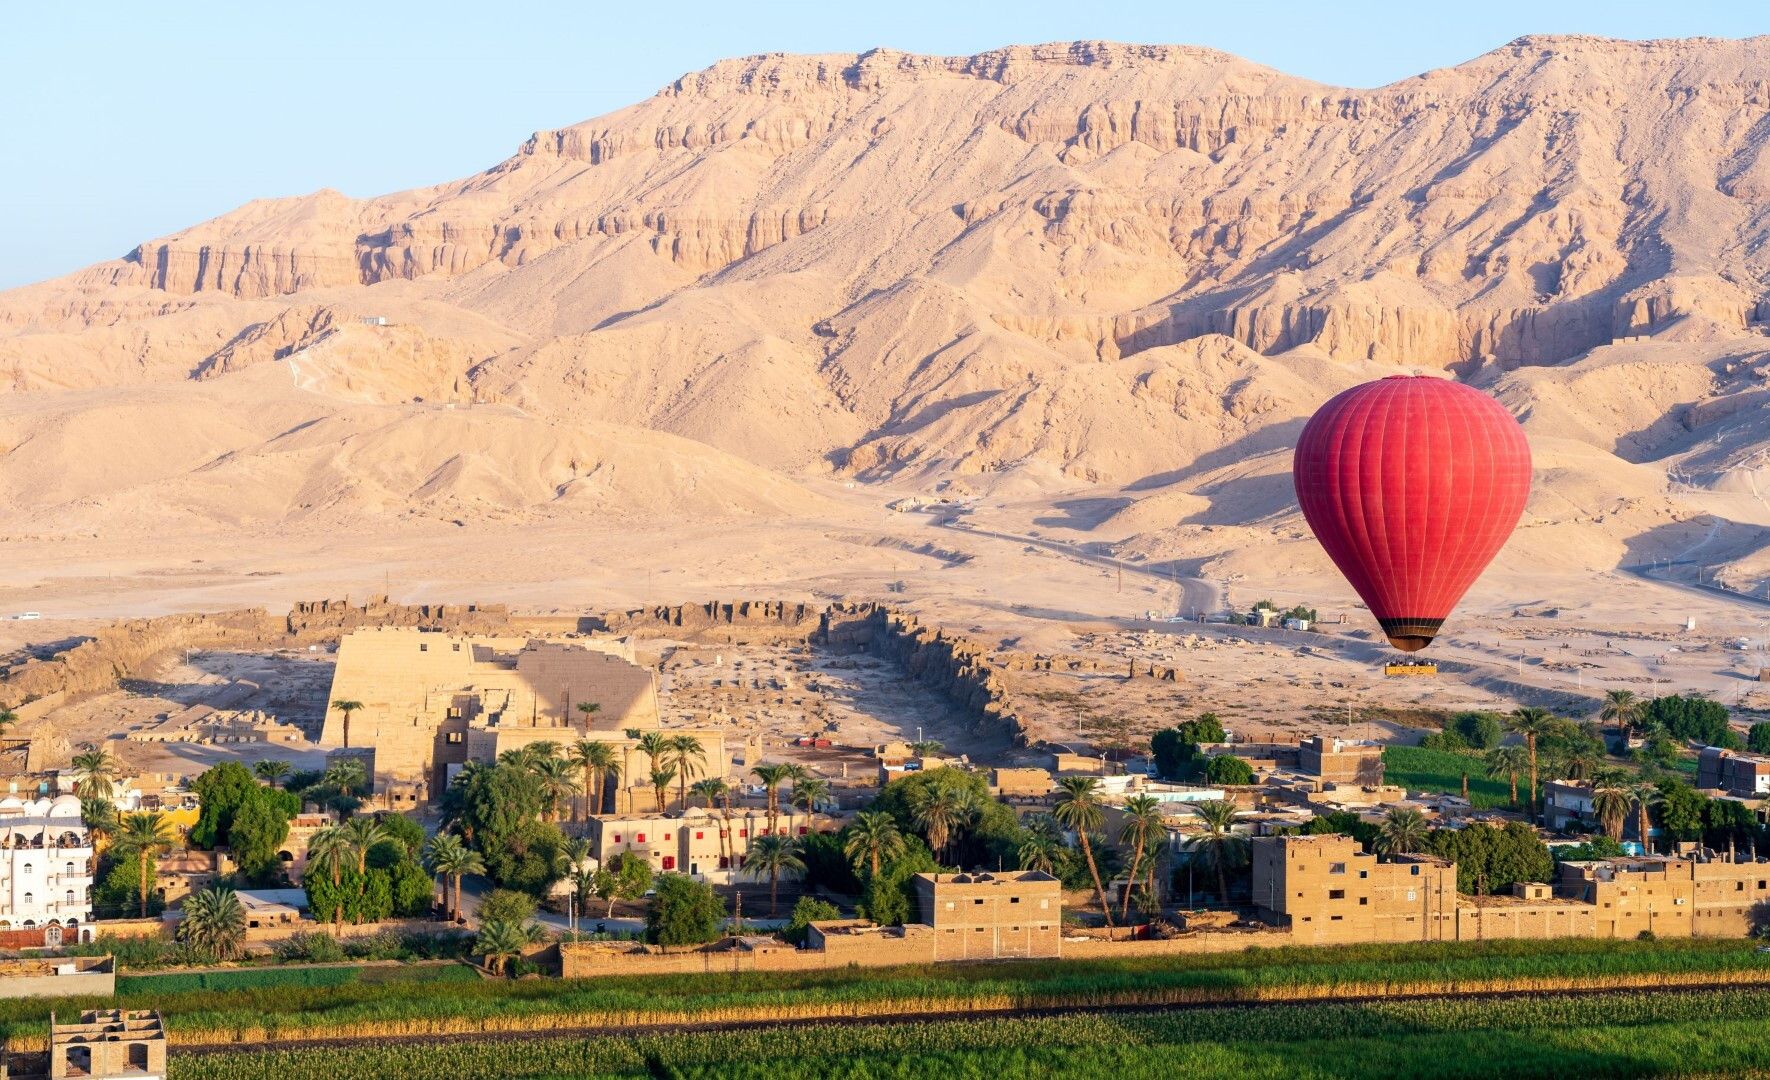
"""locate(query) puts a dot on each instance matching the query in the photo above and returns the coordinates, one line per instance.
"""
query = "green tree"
(1692, 718)
(143, 838)
(347, 776)
(448, 858)
(95, 774)
(1531, 723)
(625, 876)
(346, 706)
(1489, 860)
(500, 809)
(1042, 848)
(1403, 831)
(222, 789)
(1228, 769)
(100, 819)
(1078, 808)
(941, 809)
(1143, 820)
(259, 828)
(772, 777)
(1611, 800)
(771, 856)
(688, 758)
(559, 785)
(684, 911)
(889, 897)
(330, 852)
(1681, 809)
(272, 771)
(214, 923)
(1221, 845)
(1508, 761)
(808, 910)
(991, 831)
(1176, 749)
(507, 905)
(1622, 708)
(501, 941)
(872, 838)
(598, 760)
(1758, 739)
(1479, 730)
(1646, 796)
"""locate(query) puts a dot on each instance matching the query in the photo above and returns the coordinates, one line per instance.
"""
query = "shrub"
(507, 905)
(808, 910)
(683, 911)
(1692, 717)
(1758, 740)
(309, 947)
(1228, 769)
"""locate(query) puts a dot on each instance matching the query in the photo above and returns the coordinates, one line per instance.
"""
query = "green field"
(1419, 769)
(1719, 1033)
(416, 1001)
(178, 982)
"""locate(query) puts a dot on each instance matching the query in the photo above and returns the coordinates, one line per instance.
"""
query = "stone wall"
(131, 647)
(748, 620)
(958, 669)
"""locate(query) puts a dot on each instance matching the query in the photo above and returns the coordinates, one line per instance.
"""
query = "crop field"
(420, 1006)
(1600, 1035)
(1418, 769)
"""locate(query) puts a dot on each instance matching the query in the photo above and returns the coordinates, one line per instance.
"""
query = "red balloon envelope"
(1412, 484)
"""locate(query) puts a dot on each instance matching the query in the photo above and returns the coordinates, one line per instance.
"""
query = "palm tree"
(364, 833)
(588, 709)
(503, 940)
(1402, 832)
(1610, 801)
(1622, 708)
(214, 922)
(808, 791)
(271, 771)
(1580, 763)
(1219, 840)
(7, 719)
(1508, 761)
(660, 784)
(772, 776)
(688, 756)
(655, 745)
(1143, 816)
(941, 809)
(447, 856)
(346, 706)
(709, 790)
(100, 817)
(1531, 722)
(1043, 848)
(597, 759)
(329, 851)
(144, 838)
(1646, 797)
(1078, 808)
(558, 785)
(927, 748)
(95, 774)
(773, 855)
(873, 838)
(347, 775)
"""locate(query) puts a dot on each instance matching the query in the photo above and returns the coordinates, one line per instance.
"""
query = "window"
(1044, 904)
(617, 838)
(1410, 894)
(423, 646)
(743, 833)
(1739, 886)
(70, 896)
(803, 830)
(1337, 868)
(698, 835)
(666, 838)
(977, 902)
(1336, 894)
(69, 869)
(1414, 870)
(949, 905)
(669, 862)
(1364, 873)
(28, 899)
(639, 838)
(455, 647)
(455, 738)
(1014, 899)
(1364, 901)
(1335, 918)
(27, 868)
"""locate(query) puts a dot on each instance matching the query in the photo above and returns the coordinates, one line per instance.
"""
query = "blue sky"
(121, 121)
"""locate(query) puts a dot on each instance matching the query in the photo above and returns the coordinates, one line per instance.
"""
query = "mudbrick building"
(1326, 890)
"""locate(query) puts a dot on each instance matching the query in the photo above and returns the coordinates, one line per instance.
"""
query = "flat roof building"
(984, 915)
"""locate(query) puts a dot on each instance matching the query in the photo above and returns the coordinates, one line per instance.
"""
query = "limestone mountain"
(1064, 268)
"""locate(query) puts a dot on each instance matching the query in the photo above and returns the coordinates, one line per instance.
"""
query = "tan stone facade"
(1326, 890)
(697, 842)
(108, 1043)
(1341, 761)
(1016, 913)
(432, 700)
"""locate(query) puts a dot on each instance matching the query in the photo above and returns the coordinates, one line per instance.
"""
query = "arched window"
(28, 899)
(27, 868)
(70, 869)
(70, 896)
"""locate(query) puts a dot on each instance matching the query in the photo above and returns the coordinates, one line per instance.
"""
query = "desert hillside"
(1112, 278)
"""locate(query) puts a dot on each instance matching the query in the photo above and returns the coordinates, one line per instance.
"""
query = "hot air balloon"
(1412, 484)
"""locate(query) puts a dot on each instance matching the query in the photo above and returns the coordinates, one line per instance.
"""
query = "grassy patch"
(1419, 769)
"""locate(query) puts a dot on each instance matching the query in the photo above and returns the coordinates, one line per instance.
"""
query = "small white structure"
(45, 867)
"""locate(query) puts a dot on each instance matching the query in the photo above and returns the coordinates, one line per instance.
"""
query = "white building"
(45, 867)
